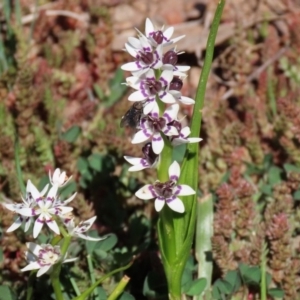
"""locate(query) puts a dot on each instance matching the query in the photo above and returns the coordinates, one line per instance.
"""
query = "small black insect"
(133, 115)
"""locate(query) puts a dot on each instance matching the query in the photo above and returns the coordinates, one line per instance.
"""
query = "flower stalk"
(184, 226)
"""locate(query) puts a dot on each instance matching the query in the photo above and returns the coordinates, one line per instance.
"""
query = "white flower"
(46, 208)
(28, 202)
(149, 160)
(43, 257)
(81, 228)
(167, 192)
(59, 178)
(152, 125)
(148, 88)
(159, 37)
(146, 57)
(183, 133)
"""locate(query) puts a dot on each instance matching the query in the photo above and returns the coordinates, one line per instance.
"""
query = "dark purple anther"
(158, 37)
(176, 84)
(146, 57)
(170, 58)
(164, 189)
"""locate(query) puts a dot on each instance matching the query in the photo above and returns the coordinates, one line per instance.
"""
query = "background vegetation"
(61, 99)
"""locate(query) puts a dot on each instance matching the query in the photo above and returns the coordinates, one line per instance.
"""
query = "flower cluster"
(157, 81)
(47, 208)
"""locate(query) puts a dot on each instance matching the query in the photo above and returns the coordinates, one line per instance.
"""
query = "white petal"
(175, 40)
(34, 248)
(141, 137)
(71, 259)
(130, 50)
(53, 225)
(172, 111)
(186, 100)
(148, 27)
(69, 199)
(33, 190)
(38, 225)
(185, 190)
(31, 266)
(170, 130)
(52, 194)
(137, 168)
(168, 32)
(183, 69)
(159, 204)
(86, 225)
(148, 107)
(88, 238)
(167, 97)
(174, 171)
(45, 189)
(43, 270)
(167, 75)
(186, 131)
(144, 193)
(133, 160)
(27, 212)
(28, 222)
(137, 96)
(15, 225)
(131, 81)
(155, 109)
(176, 205)
(179, 141)
(131, 66)
(194, 140)
(134, 42)
(157, 143)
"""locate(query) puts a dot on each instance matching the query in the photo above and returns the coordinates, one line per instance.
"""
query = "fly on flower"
(133, 116)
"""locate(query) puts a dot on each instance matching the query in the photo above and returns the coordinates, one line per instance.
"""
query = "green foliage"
(117, 89)
(6, 293)
(71, 134)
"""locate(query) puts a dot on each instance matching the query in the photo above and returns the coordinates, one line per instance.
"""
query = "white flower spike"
(43, 257)
(167, 192)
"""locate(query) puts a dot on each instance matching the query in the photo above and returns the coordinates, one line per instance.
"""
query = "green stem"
(92, 274)
(184, 226)
(165, 223)
(75, 287)
(118, 290)
(205, 208)
(54, 276)
(263, 283)
(30, 282)
(88, 291)
(200, 95)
